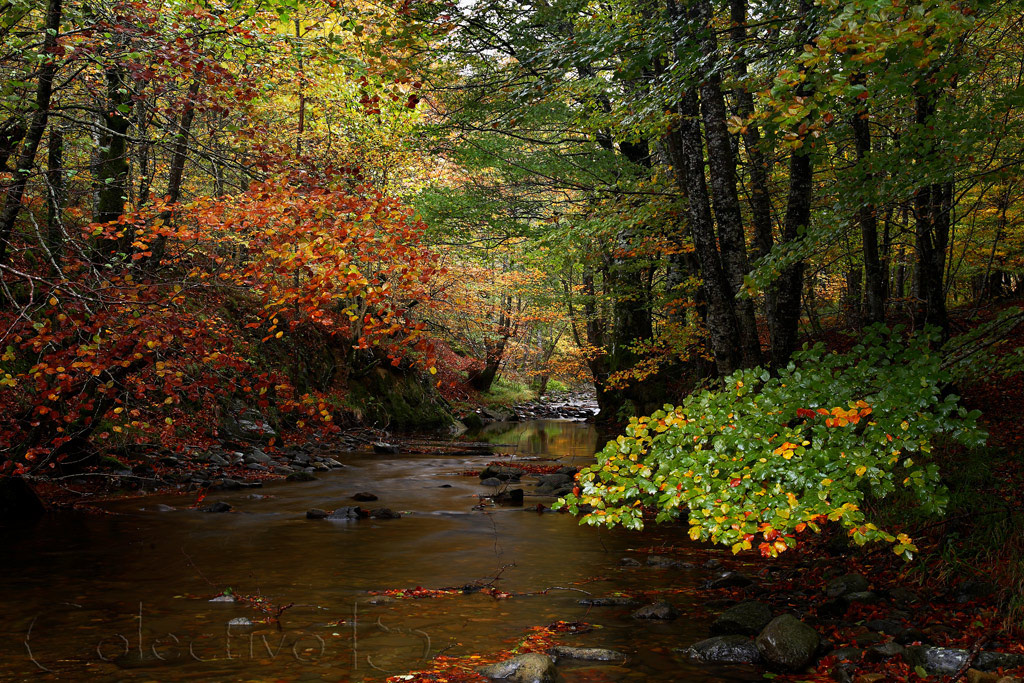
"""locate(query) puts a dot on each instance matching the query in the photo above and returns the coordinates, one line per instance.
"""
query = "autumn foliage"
(151, 352)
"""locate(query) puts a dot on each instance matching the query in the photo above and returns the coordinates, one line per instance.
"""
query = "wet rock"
(258, 457)
(528, 668)
(219, 506)
(848, 654)
(223, 598)
(552, 483)
(660, 610)
(733, 649)
(347, 513)
(18, 501)
(384, 513)
(472, 421)
(300, 476)
(501, 472)
(883, 651)
(332, 463)
(316, 513)
(614, 601)
(844, 585)
(495, 415)
(571, 471)
(255, 467)
(787, 643)
(510, 497)
(889, 626)
(364, 496)
(160, 507)
(867, 597)
(909, 636)
(629, 562)
(240, 625)
(947, 660)
(234, 485)
(248, 426)
(747, 618)
(590, 654)
(491, 481)
(868, 638)
(218, 460)
(713, 563)
(729, 580)
(386, 448)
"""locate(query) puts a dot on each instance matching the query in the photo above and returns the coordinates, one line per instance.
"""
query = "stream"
(125, 596)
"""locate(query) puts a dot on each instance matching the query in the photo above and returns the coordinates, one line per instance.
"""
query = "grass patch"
(505, 392)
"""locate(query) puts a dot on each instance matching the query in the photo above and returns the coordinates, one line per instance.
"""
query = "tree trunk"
(874, 276)
(784, 320)
(723, 327)
(56, 197)
(725, 198)
(15, 189)
(931, 231)
(112, 169)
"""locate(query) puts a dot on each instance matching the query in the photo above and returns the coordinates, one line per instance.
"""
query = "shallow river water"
(125, 595)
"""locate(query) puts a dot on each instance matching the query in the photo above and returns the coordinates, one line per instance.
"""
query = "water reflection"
(125, 596)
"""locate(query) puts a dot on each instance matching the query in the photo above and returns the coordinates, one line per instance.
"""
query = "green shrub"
(774, 456)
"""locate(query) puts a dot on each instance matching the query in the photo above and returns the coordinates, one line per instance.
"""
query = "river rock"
(300, 476)
(240, 624)
(222, 598)
(844, 585)
(491, 481)
(787, 643)
(218, 460)
(629, 562)
(590, 654)
(18, 501)
(384, 513)
(501, 472)
(883, 651)
(734, 649)
(386, 448)
(219, 506)
(746, 618)
(510, 497)
(364, 496)
(346, 513)
(947, 660)
(495, 414)
(529, 668)
(316, 513)
(248, 426)
(332, 463)
(554, 483)
(658, 610)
